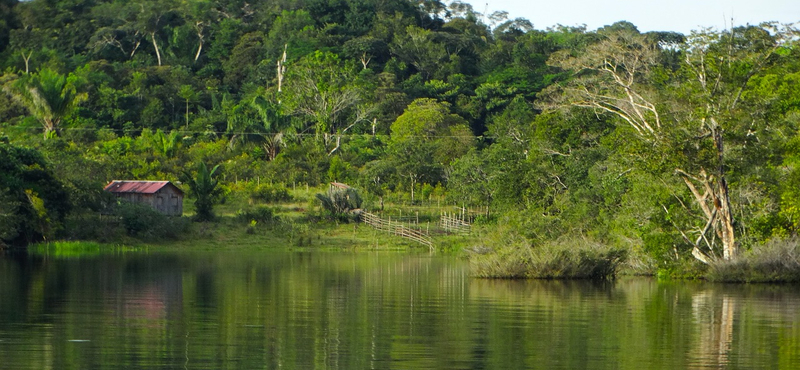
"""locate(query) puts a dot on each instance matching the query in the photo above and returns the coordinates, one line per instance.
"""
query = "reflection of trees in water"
(731, 320)
(331, 310)
(533, 291)
(713, 315)
(54, 303)
(672, 324)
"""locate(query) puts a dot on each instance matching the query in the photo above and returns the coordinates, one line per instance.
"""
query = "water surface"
(306, 310)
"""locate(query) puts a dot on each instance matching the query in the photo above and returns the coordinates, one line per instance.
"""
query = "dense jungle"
(581, 152)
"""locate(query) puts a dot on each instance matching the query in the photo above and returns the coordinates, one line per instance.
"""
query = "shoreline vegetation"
(300, 222)
(555, 153)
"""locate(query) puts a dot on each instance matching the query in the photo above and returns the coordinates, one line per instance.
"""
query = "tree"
(33, 202)
(418, 48)
(244, 59)
(425, 139)
(151, 18)
(683, 116)
(188, 94)
(166, 144)
(259, 120)
(48, 96)
(203, 186)
(341, 203)
(274, 123)
(7, 21)
(9, 218)
(471, 182)
(374, 176)
(365, 48)
(200, 16)
(323, 88)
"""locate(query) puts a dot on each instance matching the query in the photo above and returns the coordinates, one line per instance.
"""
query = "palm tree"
(259, 120)
(166, 144)
(204, 188)
(273, 125)
(48, 96)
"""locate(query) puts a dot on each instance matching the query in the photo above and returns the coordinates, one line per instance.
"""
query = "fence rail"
(397, 228)
(458, 223)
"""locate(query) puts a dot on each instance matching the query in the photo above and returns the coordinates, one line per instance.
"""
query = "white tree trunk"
(199, 49)
(155, 45)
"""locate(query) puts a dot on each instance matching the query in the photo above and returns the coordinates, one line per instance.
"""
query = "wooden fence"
(396, 228)
(457, 223)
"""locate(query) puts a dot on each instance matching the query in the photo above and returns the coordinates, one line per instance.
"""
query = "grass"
(298, 223)
(508, 255)
(242, 223)
(777, 261)
(245, 223)
(66, 249)
(230, 233)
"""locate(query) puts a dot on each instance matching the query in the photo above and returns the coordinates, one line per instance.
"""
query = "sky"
(665, 15)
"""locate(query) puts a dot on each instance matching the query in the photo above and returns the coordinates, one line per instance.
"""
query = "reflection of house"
(163, 196)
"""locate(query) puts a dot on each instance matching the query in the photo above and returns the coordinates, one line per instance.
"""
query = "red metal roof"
(141, 187)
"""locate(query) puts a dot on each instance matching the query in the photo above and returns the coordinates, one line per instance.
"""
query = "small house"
(163, 196)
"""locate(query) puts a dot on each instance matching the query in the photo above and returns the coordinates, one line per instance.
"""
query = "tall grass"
(79, 249)
(570, 259)
(777, 261)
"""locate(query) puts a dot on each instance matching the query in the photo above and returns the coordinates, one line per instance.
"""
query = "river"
(326, 310)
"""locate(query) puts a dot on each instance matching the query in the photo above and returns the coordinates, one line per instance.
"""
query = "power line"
(221, 133)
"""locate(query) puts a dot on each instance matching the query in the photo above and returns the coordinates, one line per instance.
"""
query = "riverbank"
(297, 221)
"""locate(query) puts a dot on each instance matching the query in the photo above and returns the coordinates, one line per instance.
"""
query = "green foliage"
(341, 204)
(512, 257)
(258, 214)
(48, 96)
(203, 187)
(306, 162)
(777, 261)
(143, 222)
(375, 176)
(425, 139)
(400, 99)
(469, 181)
(94, 226)
(338, 170)
(9, 207)
(322, 88)
(166, 144)
(35, 202)
(270, 193)
(69, 249)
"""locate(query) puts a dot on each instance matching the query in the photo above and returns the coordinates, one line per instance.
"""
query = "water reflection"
(376, 311)
(713, 315)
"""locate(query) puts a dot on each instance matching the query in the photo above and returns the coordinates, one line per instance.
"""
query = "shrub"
(426, 191)
(516, 259)
(142, 221)
(269, 193)
(93, 226)
(341, 204)
(774, 262)
(203, 187)
(259, 214)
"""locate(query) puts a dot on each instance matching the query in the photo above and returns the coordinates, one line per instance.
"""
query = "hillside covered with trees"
(671, 147)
